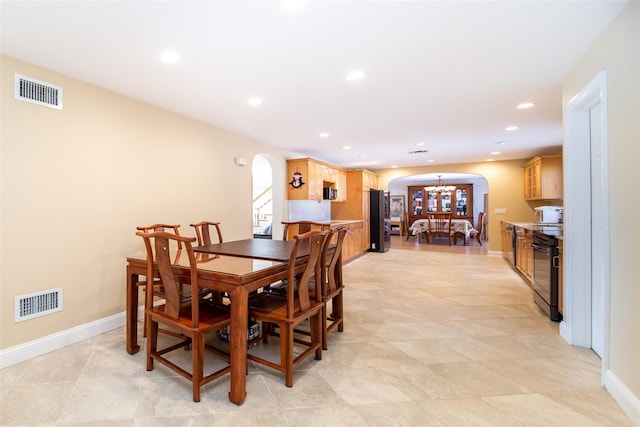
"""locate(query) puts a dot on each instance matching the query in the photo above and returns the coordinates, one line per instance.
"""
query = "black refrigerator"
(379, 225)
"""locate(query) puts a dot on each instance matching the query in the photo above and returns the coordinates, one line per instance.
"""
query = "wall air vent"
(37, 92)
(38, 304)
(418, 151)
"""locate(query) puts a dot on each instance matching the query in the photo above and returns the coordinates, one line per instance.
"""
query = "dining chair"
(300, 302)
(477, 231)
(203, 232)
(332, 284)
(439, 225)
(193, 320)
(417, 235)
(292, 228)
(158, 289)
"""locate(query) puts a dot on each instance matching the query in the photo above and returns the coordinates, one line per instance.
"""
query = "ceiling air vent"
(418, 151)
(37, 92)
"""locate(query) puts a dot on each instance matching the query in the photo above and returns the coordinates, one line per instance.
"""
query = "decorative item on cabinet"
(543, 178)
(311, 180)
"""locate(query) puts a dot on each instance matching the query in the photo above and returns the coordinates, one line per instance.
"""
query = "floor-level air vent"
(38, 304)
(37, 92)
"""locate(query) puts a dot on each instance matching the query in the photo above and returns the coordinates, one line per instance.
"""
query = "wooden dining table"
(237, 268)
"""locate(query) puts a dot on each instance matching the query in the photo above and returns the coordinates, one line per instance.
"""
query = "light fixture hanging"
(440, 187)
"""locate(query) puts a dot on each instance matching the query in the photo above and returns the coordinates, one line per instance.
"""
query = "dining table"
(461, 227)
(236, 268)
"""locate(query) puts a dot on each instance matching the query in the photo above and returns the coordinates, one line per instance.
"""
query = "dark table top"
(272, 250)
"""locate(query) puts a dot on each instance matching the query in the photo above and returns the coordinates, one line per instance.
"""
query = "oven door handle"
(540, 248)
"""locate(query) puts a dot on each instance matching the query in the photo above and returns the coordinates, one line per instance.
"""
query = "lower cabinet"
(506, 231)
(524, 253)
(355, 242)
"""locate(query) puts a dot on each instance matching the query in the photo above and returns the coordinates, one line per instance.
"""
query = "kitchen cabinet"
(507, 232)
(543, 178)
(352, 245)
(524, 253)
(422, 202)
(314, 176)
(356, 205)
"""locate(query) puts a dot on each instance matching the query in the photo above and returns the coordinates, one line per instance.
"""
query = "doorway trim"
(576, 326)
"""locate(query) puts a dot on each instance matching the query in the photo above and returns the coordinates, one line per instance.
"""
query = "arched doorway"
(478, 198)
(262, 197)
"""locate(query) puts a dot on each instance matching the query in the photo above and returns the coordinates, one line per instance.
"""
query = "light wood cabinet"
(543, 178)
(524, 253)
(422, 203)
(506, 232)
(315, 176)
(356, 205)
(352, 244)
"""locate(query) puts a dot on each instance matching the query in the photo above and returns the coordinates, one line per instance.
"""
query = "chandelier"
(440, 187)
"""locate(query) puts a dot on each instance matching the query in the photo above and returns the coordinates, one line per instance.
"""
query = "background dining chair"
(292, 228)
(203, 232)
(439, 225)
(301, 302)
(477, 231)
(193, 320)
(417, 235)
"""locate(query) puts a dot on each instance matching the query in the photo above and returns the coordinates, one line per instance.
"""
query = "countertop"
(554, 230)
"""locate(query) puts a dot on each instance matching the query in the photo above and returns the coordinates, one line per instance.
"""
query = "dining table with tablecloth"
(461, 227)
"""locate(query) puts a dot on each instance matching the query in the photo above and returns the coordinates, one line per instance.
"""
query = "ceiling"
(447, 74)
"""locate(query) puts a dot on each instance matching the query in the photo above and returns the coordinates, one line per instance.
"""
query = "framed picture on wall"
(396, 211)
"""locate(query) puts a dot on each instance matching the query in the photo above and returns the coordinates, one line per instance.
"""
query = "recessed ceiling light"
(254, 101)
(420, 143)
(500, 142)
(355, 75)
(430, 160)
(169, 57)
(511, 128)
(394, 166)
(324, 135)
(525, 105)
(361, 156)
(346, 147)
(494, 153)
(489, 160)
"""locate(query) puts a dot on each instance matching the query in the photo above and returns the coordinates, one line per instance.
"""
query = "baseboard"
(31, 349)
(629, 402)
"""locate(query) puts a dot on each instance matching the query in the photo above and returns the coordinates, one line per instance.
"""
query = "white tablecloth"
(461, 226)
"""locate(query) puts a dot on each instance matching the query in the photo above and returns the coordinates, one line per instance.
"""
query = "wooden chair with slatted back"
(301, 302)
(193, 320)
(439, 225)
(157, 283)
(292, 228)
(332, 284)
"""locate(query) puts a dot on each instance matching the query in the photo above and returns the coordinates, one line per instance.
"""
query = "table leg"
(132, 313)
(238, 344)
(466, 239)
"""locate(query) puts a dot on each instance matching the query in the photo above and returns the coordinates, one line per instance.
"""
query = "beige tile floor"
(431, 339)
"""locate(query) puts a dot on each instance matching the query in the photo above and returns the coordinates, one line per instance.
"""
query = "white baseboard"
(31, 349)
(629, 403)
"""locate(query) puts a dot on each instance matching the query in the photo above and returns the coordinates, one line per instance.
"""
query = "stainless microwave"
(329, 193)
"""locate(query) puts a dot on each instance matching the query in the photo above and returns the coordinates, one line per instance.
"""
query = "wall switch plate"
(500, 211)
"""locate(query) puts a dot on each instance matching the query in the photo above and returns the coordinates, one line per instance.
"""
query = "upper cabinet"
(543, 178)
(311, 179)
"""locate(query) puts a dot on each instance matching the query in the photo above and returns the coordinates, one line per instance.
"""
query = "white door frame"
(576, 326)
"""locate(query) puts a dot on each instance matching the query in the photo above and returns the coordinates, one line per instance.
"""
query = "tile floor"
(431, 339)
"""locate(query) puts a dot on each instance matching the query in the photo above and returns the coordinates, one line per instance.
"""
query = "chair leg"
(197, 361)
(286, 353)
(324, 328)
(152, 341)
